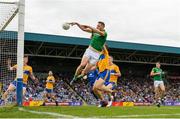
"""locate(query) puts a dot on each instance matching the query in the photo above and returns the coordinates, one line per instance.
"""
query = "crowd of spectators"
(135, 89)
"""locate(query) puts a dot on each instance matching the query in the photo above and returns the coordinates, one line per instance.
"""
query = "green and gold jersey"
(157, 77)
(97, 41)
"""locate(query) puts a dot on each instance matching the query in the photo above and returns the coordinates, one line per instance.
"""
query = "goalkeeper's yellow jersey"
(50, 82)
(103, 63)
(27, 70)
(114, 69)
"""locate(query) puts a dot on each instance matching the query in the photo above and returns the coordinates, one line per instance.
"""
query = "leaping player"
(159, 87)
(92, 53)
(103, 77)
(27, 71)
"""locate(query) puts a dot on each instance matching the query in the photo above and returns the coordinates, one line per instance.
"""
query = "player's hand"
(159, 73)
(9, 61)
(73, 23)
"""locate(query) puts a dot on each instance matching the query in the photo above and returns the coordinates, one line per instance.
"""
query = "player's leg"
(106, 89)
(47, 95)
(105, 75)
(99, 95)
(162, 91)
(84, 61)
(11, 87)
(94, 95)
(93, 59)
(156, 90)
(86, 70)
(97, 85)
(24, 89)
(111, 98)
(157, 93)
(162, 87)
(52, 96)
(91, 84)
(99, 89)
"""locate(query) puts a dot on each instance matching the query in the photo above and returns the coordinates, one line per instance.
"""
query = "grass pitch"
(90, 112)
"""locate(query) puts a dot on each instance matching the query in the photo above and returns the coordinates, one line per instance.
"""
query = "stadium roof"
(64, 47)
(85, 41)
(112, 44)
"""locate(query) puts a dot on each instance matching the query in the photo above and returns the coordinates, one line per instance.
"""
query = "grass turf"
(91, 111)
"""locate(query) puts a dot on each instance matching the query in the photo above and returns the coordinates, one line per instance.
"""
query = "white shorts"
(92, 55)
(158, 83)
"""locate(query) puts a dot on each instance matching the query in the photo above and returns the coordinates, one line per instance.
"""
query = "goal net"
(11, 35)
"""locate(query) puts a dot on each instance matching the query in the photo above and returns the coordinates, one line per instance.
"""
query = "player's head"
(110, 60)
(158, 65)
(100, 25)
(50, 73)
(25, 59)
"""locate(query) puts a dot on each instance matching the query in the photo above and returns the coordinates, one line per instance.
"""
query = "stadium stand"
(56, 53)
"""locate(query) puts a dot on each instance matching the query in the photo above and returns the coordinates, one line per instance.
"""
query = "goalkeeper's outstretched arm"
(9, 65)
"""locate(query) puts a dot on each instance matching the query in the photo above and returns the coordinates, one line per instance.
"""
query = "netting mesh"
(8, 46)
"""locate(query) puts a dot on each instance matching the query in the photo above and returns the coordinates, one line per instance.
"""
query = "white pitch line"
(147, 115)
(48, 113)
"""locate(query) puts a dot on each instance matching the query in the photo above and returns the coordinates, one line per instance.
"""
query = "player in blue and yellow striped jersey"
(114, 75)
(103, 75)
(27, 71)
(50, 86)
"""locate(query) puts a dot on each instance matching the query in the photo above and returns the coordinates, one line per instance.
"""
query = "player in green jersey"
(159, 87)
(92, 53)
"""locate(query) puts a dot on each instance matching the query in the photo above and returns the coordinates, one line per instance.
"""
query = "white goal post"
(12, 41)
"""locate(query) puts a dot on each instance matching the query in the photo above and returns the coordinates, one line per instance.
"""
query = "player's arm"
(94, 30)
(47, 80)
(31, 75)
(50, 80)
(153, 73)
(93, 68)
(53, 80)
(105, 49)
(82, 27)
(118, 73)
(11, 67)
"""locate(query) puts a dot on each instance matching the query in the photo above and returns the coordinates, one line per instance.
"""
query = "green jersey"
(97, 41)
(157, 77)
